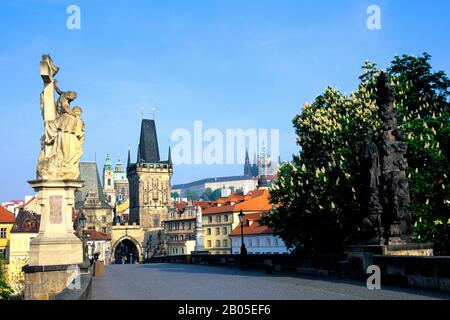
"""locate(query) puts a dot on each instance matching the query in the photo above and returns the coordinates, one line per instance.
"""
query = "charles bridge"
(270, 277)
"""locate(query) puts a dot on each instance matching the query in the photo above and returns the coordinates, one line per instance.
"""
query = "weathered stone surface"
(396, 218)
(62, 142)
(194, 282)
(47, 284)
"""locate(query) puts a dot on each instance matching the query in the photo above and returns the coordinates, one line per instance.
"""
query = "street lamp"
(82, 220)
(241, 216)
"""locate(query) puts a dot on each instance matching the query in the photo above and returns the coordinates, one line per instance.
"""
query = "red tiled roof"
(180, 206)
(256, 200)
(252, 227)
(203, 204)
(93, 235)
(6, 216)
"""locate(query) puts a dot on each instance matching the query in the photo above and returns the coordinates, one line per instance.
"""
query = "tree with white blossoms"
(317, 197)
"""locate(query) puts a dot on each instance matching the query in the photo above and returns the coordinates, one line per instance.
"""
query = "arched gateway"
(127, 250)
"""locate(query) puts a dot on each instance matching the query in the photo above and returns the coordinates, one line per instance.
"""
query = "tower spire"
(247, 165)
(170, 156)
(129, 157)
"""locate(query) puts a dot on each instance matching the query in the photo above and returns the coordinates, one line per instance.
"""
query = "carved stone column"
(396, 217)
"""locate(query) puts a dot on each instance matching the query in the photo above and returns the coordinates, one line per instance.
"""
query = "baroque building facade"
(115, 182)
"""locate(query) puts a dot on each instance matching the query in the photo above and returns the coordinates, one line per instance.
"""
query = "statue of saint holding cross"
(62, 142)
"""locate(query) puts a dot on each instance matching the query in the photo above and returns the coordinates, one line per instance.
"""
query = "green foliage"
(423, 102)
(211, 195)
(319, 206)
(175, 195)
(190, 195)
(5, 289)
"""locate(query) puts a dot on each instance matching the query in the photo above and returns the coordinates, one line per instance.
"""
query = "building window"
(209, 219)
(209, 244)
(104, 219)
(217, 231)
(257, 242)
(2, 253)
(109, 181)
(225, 230)
(276, 241)
(218, 243)
(225, 243)
(156, 221)
(208, 231)
(268, 242)
(3, 233)
(218, 219)
(104, 230)
(225, 218)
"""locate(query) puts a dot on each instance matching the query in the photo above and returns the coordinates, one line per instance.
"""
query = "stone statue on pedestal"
(396, 218)
(61, 144)
(56, 253)
(369, 160)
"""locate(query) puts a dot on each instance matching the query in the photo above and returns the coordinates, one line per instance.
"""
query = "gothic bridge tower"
(149, 181)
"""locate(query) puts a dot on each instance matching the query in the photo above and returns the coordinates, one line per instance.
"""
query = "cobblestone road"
(193, 282)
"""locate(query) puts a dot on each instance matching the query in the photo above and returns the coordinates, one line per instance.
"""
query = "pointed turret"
(129, 157)
(170, 156)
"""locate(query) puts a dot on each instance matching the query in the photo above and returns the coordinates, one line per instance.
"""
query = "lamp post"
(243, 249)
(82, 220)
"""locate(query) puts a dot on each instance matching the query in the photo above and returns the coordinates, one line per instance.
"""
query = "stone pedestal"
(44, 283)
(364, 253)
(56, 253)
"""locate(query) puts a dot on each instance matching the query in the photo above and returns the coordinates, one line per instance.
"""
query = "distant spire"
(170, 156)
(129, 157)
(247, 165)
(142, 113)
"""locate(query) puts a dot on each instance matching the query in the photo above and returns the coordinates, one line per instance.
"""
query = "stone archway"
(127, 250)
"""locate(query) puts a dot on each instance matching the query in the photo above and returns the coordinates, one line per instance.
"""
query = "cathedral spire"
(247, 165)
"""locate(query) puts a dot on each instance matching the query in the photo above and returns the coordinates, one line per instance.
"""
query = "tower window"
(156, 221)
(109, 181)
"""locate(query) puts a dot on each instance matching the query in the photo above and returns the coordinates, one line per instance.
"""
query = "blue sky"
(232, 64)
